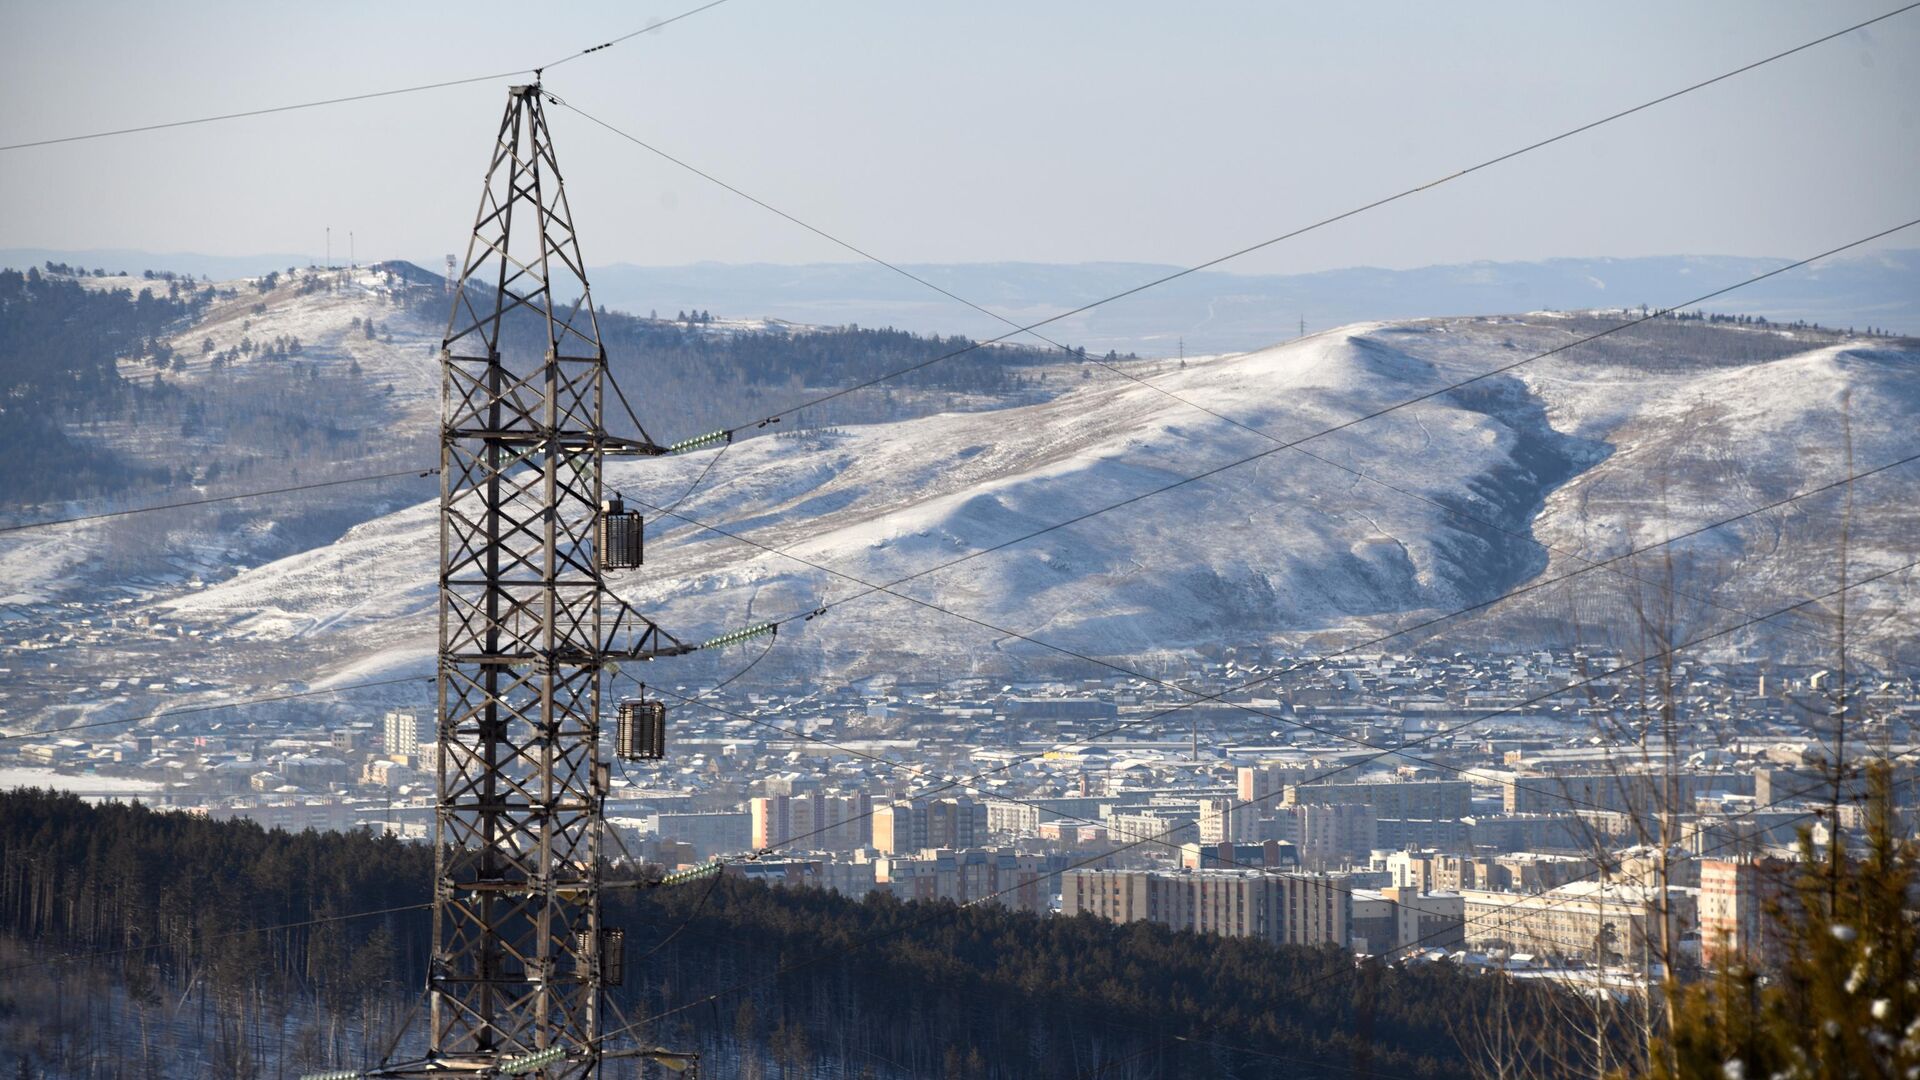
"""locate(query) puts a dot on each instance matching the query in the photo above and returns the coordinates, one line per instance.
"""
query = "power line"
(50, 961)
(647, 29)
(1536, 699)
(259, 112)
(1733, 841)
(1384, 751)
(909, 275)
(1201, 698)
(1115, 369)
(1352, 422)
(1170, 277)
(1030, 328)
(888, 587)
(1218, 260)
(220, 499)
(872, 938)
(1279, 446)
(1221, 696)
(1308, 985)
(1160, 838)
(194, 709)
(789, 842)
(357, 97)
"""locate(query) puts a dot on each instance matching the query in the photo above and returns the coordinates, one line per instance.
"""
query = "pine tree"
(1847, 1003)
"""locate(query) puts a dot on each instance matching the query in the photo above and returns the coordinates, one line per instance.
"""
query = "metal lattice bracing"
(523, 638)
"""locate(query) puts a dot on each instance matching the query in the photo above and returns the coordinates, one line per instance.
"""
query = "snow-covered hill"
(276, 384)
(1650, 433)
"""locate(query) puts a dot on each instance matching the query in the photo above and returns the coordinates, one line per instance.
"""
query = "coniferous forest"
(131, 944)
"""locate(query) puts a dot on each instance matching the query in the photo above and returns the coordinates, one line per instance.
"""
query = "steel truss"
(525, 633)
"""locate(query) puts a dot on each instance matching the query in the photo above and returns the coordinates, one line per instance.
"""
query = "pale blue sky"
(982, 131)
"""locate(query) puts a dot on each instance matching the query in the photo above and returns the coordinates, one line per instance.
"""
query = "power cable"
(1354, 421)
(1218, 260)
(892, 585)
(1203, 698)
(1029, 328)
(647, 29)
(941, 914)
(50, 961)
(695, 486)
(1359, 763)
(219, 499)
(897, 582)
(1162, 837)
(193, 709)
(259, 112)
(359, 97)
(1115, 369)
(1220, 696)
(1733, 841)
(1287, 445)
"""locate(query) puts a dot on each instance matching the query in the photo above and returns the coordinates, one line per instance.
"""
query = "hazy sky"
(979, 131)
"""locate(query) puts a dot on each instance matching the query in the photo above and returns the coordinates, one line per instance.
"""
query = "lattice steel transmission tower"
(527, 628)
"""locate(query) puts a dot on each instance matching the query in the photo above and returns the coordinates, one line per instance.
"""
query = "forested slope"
(744, 973)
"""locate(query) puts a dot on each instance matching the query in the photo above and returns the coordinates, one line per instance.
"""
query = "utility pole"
(1303, 326)
(329, 262)
(352, 259)
(527, 630)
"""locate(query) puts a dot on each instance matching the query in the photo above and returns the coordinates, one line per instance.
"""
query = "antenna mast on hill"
(527, 628)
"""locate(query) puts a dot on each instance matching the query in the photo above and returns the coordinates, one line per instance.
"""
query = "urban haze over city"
(977, 542)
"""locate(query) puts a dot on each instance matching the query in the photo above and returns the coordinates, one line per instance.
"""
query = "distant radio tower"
(329, 263)
(352, 259)
(1303, 326)
(453, 274)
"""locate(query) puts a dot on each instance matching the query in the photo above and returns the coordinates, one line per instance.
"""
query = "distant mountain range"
(1211, 311)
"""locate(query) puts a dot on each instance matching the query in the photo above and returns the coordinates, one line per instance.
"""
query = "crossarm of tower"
(644, 446)
(633, 636)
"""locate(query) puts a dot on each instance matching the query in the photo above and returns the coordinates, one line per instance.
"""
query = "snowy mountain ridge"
(1595, 451)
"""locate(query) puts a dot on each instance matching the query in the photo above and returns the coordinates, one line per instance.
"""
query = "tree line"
(165, 898)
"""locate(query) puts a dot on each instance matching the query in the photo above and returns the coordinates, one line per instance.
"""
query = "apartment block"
(1283, 908)
(1734, 897)
(1228, 821)
(1433, 800)
(993, 875)
(813, 821)
(910, 825)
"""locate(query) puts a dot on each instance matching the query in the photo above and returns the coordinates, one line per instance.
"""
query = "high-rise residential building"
(910, 825)
(1262, 785)
(812, 821)
(992, 875)
(1284, 908)
(1152, 832)
(1431, 800)
(708, 834)
(1228, 821)
(1328, 836)
(1734, 896)
(403, 735)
